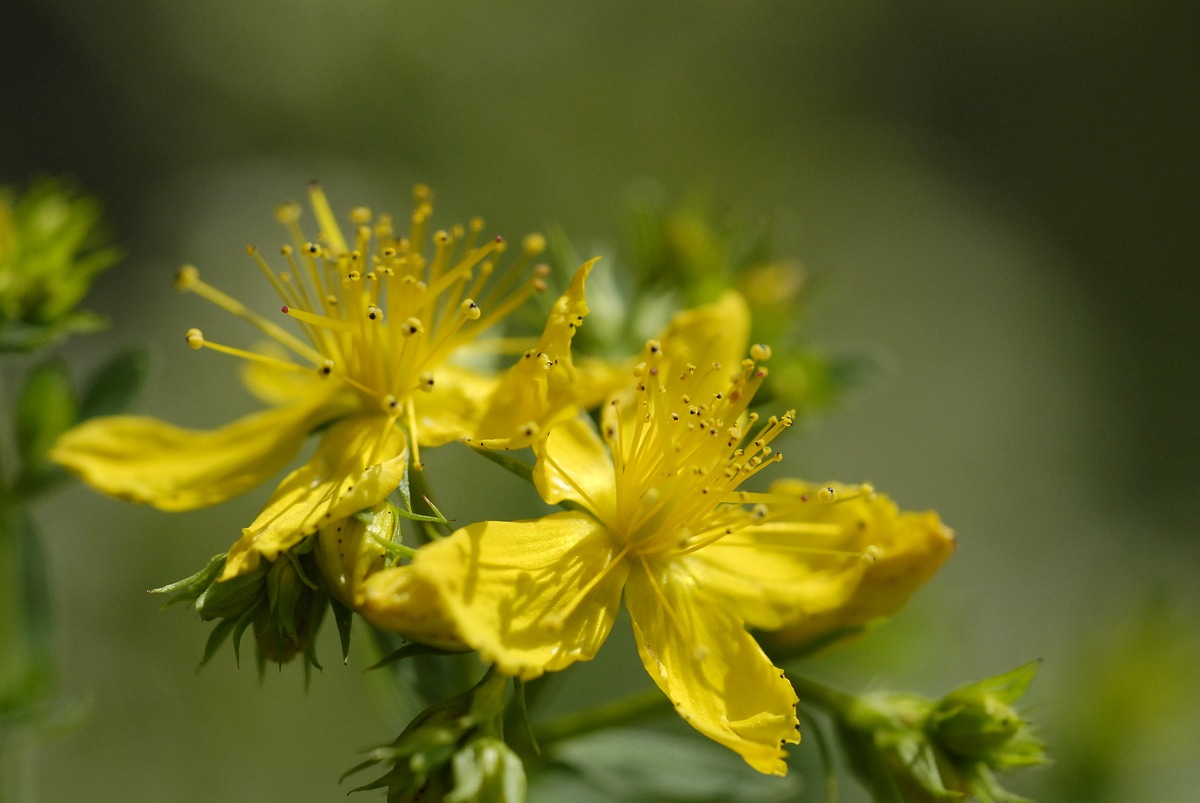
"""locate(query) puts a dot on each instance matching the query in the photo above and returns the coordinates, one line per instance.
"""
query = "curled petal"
(531, 596)
(358, 463)
(544, 387)
(905, 549)
(701, 656)
(397, 599)
(148, 461)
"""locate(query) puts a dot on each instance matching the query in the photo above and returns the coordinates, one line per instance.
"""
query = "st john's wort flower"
(657, 517)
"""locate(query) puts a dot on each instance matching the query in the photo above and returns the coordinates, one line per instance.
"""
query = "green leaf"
(45, 409)
(686, 769)
(27, 665)
(113, 386)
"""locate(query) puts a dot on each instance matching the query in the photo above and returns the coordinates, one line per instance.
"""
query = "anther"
(425, 381)
(195, 338)
(187, 277)
(530, 429)
(413, 326)
(759, 512)
(760, 352)
(469, 309)
(654, 347)
(390, 403)
(534, 244)
(312, 248)
(287, 212)
(827, 494)
(360, 215)
(326, 368)
(374, 313)
(871, 554)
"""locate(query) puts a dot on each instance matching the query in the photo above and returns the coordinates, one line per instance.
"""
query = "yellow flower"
(661, 521)
(378, 318)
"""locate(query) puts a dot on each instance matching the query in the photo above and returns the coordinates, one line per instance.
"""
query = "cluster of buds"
(905, 747)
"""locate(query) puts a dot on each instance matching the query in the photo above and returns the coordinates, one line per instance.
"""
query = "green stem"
(831, 700)
(625, 711)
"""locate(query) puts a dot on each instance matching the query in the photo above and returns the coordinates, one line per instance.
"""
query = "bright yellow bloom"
(663, 524)
(378, 319)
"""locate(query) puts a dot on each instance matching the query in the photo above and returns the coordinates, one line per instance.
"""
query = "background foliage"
(993, 200)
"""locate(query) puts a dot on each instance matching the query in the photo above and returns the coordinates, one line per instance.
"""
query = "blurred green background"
(997, 202)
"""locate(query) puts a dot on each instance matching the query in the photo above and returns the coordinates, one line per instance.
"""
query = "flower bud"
(487, 771)
(51, 248)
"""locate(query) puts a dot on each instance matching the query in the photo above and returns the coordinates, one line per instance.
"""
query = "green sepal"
(220, 632)
(189, 589)
(507, 462)
(409, 651)
(112, 387)
(244, 621)
(343, 617)
(229, 599)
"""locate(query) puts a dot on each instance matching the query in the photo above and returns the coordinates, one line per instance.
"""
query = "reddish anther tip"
(284, 309)
(499, 239)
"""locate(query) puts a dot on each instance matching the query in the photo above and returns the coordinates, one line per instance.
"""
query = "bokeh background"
(997, 202)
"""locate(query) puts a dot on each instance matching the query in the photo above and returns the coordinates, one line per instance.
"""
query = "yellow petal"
(154, 463)
(906, 547)
(277, 385)
(544, 386)
(397, 599)
(701, 656)
(531, 596)
(453, 408)
(717, 332)
(358, 463)
(574, 464)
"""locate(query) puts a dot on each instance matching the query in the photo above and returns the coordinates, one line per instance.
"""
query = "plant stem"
(625, 711)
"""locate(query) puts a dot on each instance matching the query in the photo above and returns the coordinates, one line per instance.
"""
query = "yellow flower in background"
(379, 319)
(662, 522)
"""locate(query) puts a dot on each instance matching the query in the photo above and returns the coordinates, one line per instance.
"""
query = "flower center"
(381, 315)
(681, 447)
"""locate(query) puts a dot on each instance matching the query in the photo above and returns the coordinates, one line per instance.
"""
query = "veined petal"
(397, 599)
(531, 596)
(358, 463)
(907, 548)
(808, 559)
(574, 464)
(145, 460)
(701, 656)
